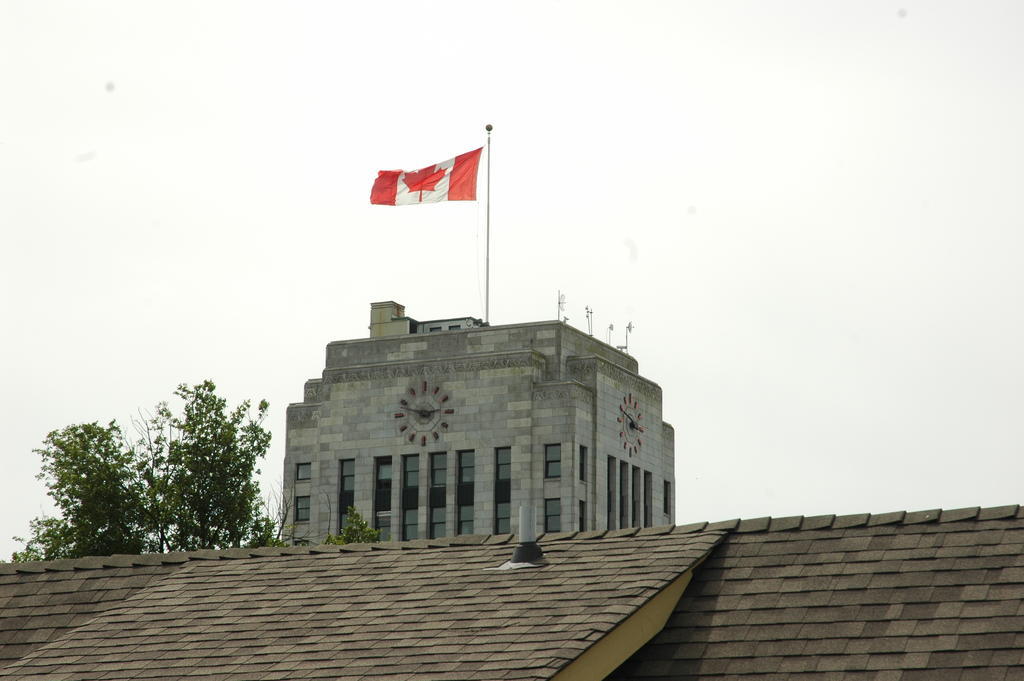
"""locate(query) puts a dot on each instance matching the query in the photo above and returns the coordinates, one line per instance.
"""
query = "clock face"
(631, 427)
(423, 413)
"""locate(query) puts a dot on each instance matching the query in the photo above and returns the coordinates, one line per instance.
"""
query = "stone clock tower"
(446, 427)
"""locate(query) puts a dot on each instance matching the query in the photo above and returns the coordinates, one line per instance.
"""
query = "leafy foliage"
(186, 482)
(96, 486)
(50, 540)
(211, 494)
(356, 531)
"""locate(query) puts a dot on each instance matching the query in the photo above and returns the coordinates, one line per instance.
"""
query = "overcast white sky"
(811, 212)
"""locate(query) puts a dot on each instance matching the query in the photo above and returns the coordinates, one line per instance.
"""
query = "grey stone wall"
(520, 386)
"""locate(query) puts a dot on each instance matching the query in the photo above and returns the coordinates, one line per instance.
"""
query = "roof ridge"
(824, 522)
(762, 524)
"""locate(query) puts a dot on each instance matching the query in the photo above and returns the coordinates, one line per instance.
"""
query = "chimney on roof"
(388, 318)
(529, 550)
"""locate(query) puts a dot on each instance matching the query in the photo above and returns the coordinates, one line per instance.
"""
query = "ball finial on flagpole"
(488, 127)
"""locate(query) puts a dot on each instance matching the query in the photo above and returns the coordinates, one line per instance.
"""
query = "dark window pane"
(438, 500)
(552, 461)
(623, 495)
(410, 496)
(611, 492)
(583, 516)
(348, 475)
(411, 470)
(384, 472)
(301, 509)
(410, 524)
(552, 515)
(466, 467)
(465, 492)
(439, 469)
(437, 517)
(303, 471)
(347, 495)
(382, 522)
(382, 495)
(648, 500)
(502, 517)
(465, 520)
(666, 502)
(636, 497)
(503, 463)
(583, 463)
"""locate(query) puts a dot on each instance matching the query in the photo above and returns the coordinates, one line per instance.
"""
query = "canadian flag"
(451, 180)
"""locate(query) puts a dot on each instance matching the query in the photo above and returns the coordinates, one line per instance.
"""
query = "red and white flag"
(451, 180)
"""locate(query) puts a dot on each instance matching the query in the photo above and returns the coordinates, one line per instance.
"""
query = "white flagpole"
(487, 285)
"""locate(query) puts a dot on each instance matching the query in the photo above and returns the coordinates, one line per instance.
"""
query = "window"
(411, 471)
(453, 327)
(439, 469)
(382, 497)
(438, 493)
(434, 328)
(666, 502)
(583, 463)
(623, 495)
(611, 492)
(583, 516)
(347, 494)
(552, 461)
(636, 497)
(502, 490)
(648, 500)
(466, 519)
(437, 521)
(303, 471)
(464, 492)
(301, 509)
(466, 467)
(411, 523)
(552, 515)
(410, 496)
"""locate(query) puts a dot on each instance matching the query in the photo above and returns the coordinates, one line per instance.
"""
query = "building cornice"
(442, 366)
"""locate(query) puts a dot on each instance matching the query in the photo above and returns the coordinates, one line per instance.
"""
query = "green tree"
(50, 540)
(356, 531)
(187, 482)
(211, 494)
(94, 482)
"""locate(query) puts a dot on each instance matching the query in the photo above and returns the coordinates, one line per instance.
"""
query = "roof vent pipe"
(529, 550)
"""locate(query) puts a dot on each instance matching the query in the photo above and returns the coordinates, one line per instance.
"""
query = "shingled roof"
(395, 611)
(892, 597)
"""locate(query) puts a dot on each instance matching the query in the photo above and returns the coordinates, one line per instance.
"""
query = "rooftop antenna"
(611, 327)
(590, 321)
(629, 330)
(561, 306)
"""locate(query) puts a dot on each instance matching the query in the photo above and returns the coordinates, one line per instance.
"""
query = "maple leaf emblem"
(424, 180)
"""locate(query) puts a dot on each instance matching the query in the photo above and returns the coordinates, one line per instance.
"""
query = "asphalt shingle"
(392, 612)
(930, 594)
(890, 597)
